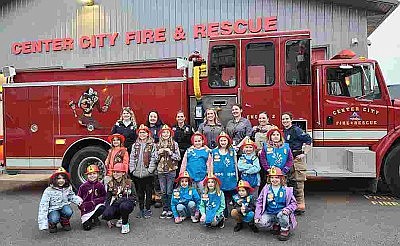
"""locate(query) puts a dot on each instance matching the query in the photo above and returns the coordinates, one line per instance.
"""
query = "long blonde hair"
(216, 119)
(130, 111)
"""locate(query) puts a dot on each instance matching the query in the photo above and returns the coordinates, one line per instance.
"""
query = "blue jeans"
(268, 220)
(64, 212)
(166, 185)
(186, 211)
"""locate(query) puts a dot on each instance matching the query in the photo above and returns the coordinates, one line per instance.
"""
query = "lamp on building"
(87, 2)
(354, 41)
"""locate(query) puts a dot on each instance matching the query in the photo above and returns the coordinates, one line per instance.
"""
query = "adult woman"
(211, 127)
(259, 135)
(154, 123)
(182, 135)
(238, 128)
(126, 126)
(296, 138)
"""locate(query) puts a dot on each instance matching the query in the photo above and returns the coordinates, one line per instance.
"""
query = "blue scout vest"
(224, 169)
(183, 195)
(245, 201)
(277, 156)
(276, 202)
(197, 163)
(212, 202)
(251, 178)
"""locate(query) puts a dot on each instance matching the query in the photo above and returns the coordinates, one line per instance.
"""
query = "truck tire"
(82, 159)
(392, 170)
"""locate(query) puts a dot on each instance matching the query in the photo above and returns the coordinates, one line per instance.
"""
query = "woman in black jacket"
(126, 126)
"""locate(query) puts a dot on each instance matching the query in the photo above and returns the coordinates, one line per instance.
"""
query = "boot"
(52, 228)
(284, 235)
(253, 227)
(238, 227)
(65, 224)
(275, 229)
(87, 225)
(301, 209)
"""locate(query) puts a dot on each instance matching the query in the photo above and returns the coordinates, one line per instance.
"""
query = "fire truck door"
(354, 111)
(40, 126)
(259, 82)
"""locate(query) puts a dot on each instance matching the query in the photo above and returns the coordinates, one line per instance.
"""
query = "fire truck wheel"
(82, 159)
(392, 170)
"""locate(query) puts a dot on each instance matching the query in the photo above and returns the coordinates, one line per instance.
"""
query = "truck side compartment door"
(42, 109)
(260, 79)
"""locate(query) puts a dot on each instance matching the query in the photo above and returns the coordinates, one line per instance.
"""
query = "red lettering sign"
(213, 29)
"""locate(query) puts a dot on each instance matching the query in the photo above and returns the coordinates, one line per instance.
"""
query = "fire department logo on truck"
(87, 102)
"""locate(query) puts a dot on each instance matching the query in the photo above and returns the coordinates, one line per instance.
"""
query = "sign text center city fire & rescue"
(214, 29)
(355, 118)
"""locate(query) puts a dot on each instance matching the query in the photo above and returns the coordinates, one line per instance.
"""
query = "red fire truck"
(61, 117)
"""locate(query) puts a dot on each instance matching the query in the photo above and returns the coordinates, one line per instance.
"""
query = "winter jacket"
(92, 194)
(53, 199)
(291, 204)
(129, 132)
(143, 159)
(183, 137)
(117, 155)
(211, 132)
(239, 130)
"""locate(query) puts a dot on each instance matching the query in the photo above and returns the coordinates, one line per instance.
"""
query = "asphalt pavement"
(336, 215)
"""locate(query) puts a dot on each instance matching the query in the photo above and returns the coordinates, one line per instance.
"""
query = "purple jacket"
(92, 194)
(291, 204)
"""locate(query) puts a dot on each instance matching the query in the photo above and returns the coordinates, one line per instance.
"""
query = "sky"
(385, 47)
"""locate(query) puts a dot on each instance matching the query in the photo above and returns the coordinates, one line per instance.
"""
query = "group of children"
(208, 181)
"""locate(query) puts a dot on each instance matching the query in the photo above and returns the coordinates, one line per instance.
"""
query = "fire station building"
(40, 34)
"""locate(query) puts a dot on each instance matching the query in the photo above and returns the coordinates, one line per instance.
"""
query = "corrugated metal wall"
(26, 20)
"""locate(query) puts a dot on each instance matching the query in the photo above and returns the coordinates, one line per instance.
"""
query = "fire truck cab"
(62, 117)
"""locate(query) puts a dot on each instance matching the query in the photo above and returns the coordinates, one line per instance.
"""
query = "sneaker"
(140, 214)
(284, 235)
(119, 223)
(194, 219)
(170, 215)
(147, 214)
(275, 229)
(178, 220)
(52, 228)
(125, 229)
(221, 224)
(163, 215)
(110, 224)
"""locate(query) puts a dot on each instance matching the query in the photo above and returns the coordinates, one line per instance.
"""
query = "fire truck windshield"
(222, 72)
(358, 82)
